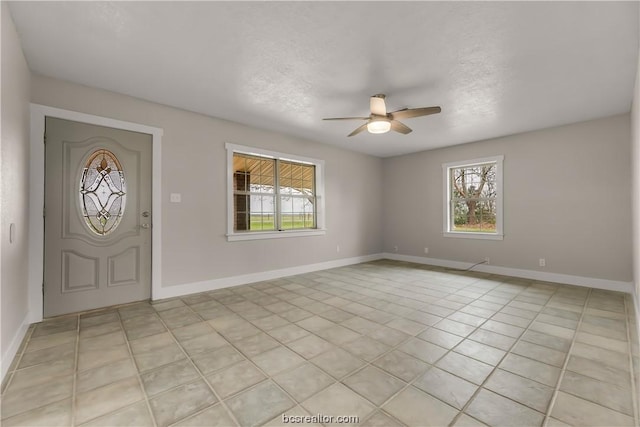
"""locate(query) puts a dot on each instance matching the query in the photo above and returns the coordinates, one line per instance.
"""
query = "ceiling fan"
(379, 121)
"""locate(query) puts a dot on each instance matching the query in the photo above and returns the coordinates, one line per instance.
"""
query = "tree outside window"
(473, 198)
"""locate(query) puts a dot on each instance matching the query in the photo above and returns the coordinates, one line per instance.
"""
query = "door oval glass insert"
(102, 192)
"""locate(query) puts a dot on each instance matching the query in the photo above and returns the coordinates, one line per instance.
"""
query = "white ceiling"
(494, 68)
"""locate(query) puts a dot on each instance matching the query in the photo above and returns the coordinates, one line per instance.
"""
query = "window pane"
(296, 178)
(286, 212)
(473, 198)
(299, 212)
(296, 171)
(472, 215)
(241, 181)
(297, 181)
(459, 215)
(286, 205)
(309, 221)
(262, 213)
(308, 186)
(267, 175)
(242, 205)
(487, 214)
(241, 221)
(102, 192)
(309, 212)
(255, 175)
(255, 194)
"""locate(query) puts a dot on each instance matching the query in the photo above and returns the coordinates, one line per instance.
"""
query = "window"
(102, 192)
(473, 198)
(273, 194)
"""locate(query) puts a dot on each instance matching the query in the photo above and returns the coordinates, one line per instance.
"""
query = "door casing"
(36, 197)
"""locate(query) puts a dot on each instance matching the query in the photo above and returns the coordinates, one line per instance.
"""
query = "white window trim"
(232, 236)
(499, 234)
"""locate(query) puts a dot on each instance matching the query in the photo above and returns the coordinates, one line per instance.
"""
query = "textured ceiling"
(494, 68)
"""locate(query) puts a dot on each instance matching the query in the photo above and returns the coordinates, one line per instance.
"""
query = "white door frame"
(36, 197)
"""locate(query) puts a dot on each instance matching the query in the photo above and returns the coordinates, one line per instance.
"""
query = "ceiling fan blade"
(408, 113)
(358, 130)
(378, 107)
(400, 127)
(347, 118)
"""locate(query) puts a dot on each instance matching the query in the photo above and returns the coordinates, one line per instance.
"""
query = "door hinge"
(44, 138)
(44, 212)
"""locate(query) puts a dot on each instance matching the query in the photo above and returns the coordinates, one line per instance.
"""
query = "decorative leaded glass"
(102, 192)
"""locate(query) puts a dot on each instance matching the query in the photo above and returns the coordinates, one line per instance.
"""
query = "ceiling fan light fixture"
(379, 121)
(379, 126)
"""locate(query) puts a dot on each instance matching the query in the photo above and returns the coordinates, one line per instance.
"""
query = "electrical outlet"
(487, 260)
(426, 250)
(542, 262)
(338, 248)
(395, 249)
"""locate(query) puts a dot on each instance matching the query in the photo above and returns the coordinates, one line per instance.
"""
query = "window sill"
(481, 236)
(260, 235)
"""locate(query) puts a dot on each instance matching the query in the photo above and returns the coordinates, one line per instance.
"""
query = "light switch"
(175, 198)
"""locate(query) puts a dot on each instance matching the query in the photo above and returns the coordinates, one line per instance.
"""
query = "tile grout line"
(548, 299)
(371, 301)
(20, 355)
(377, 408)
(267, 376)
(335, 381)
(634, 391)
(76, 356)
(431, 365)
(315, 286)
(476, 328)
(138, 377)
(193, 365)
(507, 353)
(554, 396)
(410, 336)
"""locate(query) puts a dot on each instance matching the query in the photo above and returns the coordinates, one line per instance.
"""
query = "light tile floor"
(387, 342)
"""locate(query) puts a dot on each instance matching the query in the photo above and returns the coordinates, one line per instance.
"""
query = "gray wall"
(566, 199)
(194, 246)
(635, 197)
(14, 196)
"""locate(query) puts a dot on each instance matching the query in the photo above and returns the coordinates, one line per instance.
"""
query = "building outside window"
(273, 194)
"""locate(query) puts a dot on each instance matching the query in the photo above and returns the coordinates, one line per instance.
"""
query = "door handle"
(145, 214)
(145, 226)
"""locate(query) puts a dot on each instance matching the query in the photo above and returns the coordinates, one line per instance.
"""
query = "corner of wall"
(635, 191)
(14, 196)
(14, 347)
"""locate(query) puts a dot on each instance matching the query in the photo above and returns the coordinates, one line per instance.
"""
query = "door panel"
(97, 240)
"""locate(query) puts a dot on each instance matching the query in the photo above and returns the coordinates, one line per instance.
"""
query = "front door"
(97, 217)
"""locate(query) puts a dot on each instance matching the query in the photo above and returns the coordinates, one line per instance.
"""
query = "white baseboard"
(225, 282)
(609, 285)
(11, 352)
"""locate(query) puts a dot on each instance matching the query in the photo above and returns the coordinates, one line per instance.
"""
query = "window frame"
(320, 229)
(446, 174)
